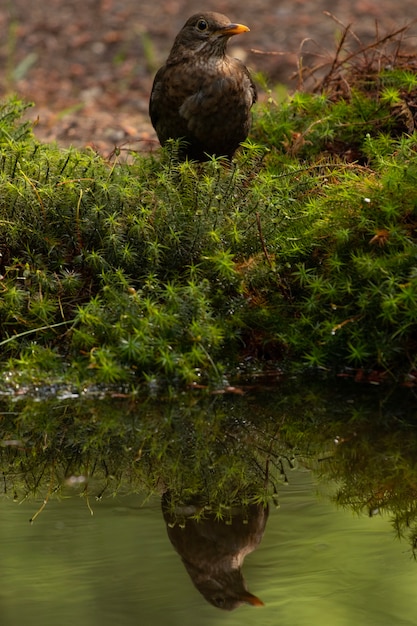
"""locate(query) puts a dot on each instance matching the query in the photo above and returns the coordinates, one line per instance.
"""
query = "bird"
(201, 95)
(213, 550)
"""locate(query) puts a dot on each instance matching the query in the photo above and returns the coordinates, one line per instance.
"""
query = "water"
(316, 565)
(92, 472)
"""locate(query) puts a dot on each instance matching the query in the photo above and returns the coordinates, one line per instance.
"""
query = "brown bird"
(213, 550)
(201, 95)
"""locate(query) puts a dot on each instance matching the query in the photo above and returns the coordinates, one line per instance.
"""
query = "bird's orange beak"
(251, 599)
(233, 29)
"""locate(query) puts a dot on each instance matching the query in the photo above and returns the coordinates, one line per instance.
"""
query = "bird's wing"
(252, 85)
(253, 88)
(154, 102)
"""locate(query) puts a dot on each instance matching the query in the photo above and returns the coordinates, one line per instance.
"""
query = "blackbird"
(213, 550)
(201, 95)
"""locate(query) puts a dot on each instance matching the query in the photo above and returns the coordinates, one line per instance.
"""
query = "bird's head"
(226, 589)
(207, 32)
(229, 602)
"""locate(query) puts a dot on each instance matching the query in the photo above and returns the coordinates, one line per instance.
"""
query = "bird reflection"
(213, 550)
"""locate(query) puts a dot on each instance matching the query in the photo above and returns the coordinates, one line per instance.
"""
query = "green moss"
(175, 271)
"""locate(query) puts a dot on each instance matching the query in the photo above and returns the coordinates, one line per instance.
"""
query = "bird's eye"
(202, 25)
(219, 601)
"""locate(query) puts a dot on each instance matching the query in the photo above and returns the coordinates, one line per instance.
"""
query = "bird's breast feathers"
(207, 89)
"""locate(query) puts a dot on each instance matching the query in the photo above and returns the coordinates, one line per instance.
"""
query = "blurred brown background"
(88, 64)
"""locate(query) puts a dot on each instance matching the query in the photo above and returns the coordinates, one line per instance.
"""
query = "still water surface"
(316, 566)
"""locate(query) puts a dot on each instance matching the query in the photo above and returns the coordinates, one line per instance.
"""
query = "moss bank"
(302, 251)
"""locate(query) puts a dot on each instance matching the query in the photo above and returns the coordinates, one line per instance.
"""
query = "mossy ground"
(302, 251)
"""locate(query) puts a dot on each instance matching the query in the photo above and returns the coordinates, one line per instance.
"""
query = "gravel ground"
(88, 65)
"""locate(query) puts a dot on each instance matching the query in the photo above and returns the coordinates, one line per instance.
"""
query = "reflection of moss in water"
(373, 460)
(376, 472)
(210, 447)
(228, 450)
